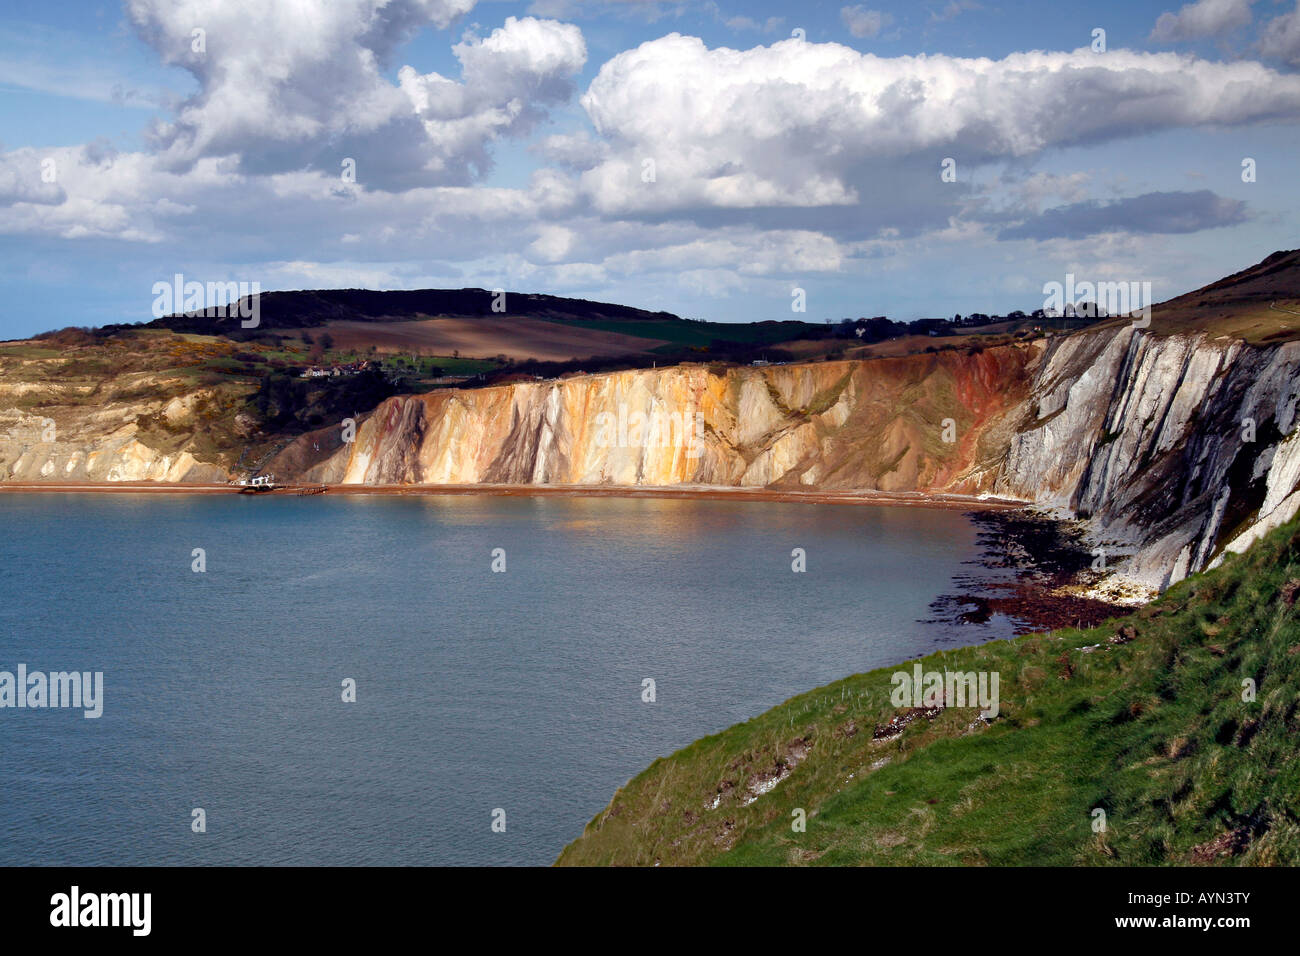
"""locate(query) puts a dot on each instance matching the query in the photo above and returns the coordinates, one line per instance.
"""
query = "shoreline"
(698, 492)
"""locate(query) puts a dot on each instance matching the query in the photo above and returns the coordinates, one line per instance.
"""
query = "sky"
(714, 158)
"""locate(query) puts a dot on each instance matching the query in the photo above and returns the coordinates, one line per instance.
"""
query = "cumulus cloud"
(776, 163)
(572, 150)
(1149, 214)
(508, 78)
(1205, 18)
(293, 86)
(101, 194)
(135, 197)
(1280, 37)
(800, 124)
(552, 243)
(23, 178)
(771, 253)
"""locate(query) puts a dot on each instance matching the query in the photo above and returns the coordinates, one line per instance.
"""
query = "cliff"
(932, 422)
(98, 420)
(1173, 447)
(1176, 443)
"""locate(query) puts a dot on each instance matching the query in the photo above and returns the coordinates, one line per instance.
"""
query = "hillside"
(519, 326)
(312, 308)
(1259, 304)
(1142, 718)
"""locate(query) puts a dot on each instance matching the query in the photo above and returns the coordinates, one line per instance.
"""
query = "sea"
(424, 680)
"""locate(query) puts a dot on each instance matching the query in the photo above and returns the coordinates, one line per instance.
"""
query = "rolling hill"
(475, 322)
(1259, 304)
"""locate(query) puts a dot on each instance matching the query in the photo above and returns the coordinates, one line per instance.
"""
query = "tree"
(327, 340)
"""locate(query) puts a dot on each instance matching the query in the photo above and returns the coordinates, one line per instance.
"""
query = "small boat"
(256, 485)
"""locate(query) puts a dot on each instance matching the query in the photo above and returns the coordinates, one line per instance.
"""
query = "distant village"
(334, 371)
(391, 374)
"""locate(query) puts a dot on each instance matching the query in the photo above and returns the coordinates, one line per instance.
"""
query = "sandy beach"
(716, 493)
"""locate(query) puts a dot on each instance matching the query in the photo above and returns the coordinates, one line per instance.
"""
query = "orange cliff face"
(937, 422)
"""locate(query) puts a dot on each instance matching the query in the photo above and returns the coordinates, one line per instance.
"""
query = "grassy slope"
(1153, 731)
(1260, 304)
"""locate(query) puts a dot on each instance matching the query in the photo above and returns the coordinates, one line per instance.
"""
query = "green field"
(681, 333)
(426, 365)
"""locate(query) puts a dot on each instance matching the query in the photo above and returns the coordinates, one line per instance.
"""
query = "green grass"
(28, 352)
(1154, 732)
(678, 332)
(455, 366)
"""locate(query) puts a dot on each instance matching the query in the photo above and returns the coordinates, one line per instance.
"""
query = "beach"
(700, 492)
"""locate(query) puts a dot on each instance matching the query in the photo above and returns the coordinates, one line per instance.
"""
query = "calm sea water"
(475, 690)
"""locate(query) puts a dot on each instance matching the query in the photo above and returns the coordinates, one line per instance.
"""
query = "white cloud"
(715, 283)
(104, 194)
(1205, 18)
(306, 274)
(862, 22)
(23, 178)
(577, 275)
(808, 124)
(745, 252)
(136, 197)
(572, 150)
(1280, 37)
(292, 86)
(552, 243)
(508, 77)
(792, 160)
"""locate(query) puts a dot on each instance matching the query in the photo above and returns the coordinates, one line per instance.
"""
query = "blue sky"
(504, 144)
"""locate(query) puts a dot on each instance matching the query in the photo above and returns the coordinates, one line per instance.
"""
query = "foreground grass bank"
(1146, 724)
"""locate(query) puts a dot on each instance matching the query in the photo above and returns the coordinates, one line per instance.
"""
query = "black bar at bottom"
(337, 905)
